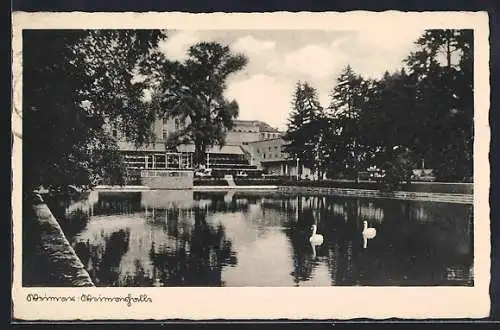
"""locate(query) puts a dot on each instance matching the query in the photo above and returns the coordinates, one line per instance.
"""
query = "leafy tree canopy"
(193, 91)
(75, 83)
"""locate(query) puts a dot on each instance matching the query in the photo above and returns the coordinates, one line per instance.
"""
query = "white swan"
(313, 246)
(368, 233)
(315, 239)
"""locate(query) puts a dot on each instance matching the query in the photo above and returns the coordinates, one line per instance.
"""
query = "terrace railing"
(169, 160)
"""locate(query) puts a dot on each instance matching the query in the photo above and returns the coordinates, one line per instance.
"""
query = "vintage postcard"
(326, 166)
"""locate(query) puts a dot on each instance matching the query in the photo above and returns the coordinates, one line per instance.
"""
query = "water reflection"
(197, 257)
(186, 238)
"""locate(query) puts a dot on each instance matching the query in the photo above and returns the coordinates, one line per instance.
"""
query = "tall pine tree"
(347, 98)
(386, 119)
(302, 136)
(442, 67)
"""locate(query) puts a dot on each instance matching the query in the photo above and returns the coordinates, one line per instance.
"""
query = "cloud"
(263, 97)
(374, 51)
(388, 39)
(376, 66)
(264, 88)
(318, 61)
(250, 45)
(177, 44)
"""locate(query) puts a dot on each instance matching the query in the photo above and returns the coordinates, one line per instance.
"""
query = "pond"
(189, 238)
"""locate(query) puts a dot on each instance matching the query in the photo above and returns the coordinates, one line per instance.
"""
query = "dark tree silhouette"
(74, 83)
(193, 92)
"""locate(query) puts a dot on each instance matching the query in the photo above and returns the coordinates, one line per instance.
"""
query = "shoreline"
(398, 195)
(448, 197)
(256, 187)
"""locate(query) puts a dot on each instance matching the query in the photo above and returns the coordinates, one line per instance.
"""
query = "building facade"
(269, 155)
(242, 133)
(234, 155)
(246, 131)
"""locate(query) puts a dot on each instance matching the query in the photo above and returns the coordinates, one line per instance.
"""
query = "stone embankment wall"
(167, 179)
(54, 262)
(405, 195)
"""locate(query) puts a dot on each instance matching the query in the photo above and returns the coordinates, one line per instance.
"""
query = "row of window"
(270, 135)
(276, 148)
(271, 152)
(177, 123)
(263, 135)
(164, 131)
(276, 156)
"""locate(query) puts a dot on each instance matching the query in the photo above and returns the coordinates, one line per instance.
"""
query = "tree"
(387, 118)
(331, 148)
(347, 98)
(193, 92)
(442, 68)
(425, 109)
(75, 82)
(398, 166)
(303, 130)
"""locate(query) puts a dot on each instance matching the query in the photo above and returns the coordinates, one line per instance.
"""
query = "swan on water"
(313, 246)
(315, 239)
(368, 233)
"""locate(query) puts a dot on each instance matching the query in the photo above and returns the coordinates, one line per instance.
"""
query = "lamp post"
(298, 159)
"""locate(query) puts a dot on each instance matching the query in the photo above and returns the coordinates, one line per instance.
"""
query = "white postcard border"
(269, 303)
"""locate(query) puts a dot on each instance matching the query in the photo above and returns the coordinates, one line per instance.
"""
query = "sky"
(280, 58)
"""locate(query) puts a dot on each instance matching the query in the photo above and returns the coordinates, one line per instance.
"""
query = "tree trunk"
(448, 49)
(199, 154)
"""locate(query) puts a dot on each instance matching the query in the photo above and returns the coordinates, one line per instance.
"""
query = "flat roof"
(263, 126)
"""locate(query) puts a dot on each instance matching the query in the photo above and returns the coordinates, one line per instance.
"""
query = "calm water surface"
(186, 238)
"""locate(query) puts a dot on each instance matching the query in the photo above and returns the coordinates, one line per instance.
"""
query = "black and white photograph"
(250, 157)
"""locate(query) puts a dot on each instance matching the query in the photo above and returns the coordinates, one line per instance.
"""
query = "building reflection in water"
(171, 246)
(186, 238)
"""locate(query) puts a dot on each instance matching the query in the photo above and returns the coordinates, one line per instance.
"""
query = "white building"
(268, 154)
(155, 154)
